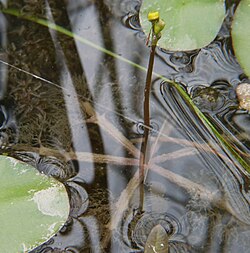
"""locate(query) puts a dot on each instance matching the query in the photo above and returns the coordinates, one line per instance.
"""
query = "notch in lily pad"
(191, 24)
(33, 206)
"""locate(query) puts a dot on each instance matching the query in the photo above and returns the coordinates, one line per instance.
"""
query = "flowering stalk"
(157, 26)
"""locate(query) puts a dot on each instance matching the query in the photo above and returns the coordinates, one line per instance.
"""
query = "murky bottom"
(75, 111)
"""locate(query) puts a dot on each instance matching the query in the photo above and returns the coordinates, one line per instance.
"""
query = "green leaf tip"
(157, 241)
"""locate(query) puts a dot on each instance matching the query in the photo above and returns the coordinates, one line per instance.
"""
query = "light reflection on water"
(85, 133)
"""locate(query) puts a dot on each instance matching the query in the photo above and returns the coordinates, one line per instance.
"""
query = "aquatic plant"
(241, 34)
(157, 240)
(33, 206)
(191, 24)
(155, 32)
(93, 118)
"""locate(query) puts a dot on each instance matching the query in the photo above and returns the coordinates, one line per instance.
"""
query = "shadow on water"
(76, 114)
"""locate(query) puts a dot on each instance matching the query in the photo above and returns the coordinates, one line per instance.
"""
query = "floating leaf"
(157, 241)
(241, 34)
(190, 24)
(33, 206)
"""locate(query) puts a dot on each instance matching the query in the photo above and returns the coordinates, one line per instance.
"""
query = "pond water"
(74, 109)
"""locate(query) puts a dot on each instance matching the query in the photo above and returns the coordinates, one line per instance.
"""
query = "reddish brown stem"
(143, 156)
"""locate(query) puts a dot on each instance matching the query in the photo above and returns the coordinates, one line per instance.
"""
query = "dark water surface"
(76, 113)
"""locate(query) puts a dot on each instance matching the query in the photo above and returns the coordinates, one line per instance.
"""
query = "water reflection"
(77, 116)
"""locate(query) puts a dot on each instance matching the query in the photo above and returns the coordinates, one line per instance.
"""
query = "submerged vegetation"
(202, 117)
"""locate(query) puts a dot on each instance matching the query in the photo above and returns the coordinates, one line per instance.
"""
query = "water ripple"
(232, 177)
(48, 165)
(79, 199)
(211, 64)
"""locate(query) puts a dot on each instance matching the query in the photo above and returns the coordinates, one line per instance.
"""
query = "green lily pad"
(190, 24)
(241, 34)
(33, 206)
